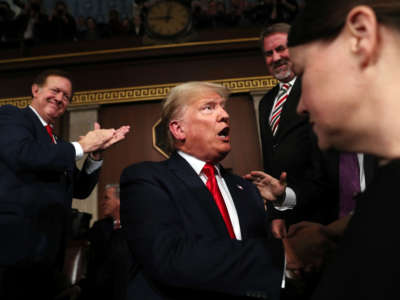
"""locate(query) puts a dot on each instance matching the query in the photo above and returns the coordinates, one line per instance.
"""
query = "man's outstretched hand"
(271, 189)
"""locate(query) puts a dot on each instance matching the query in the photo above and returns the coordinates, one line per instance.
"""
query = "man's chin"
(282, 75)
(224, 152)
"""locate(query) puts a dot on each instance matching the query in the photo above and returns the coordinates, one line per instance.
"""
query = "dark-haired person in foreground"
(39, 178)
(348, 54)
(189, 242)
(318, 187)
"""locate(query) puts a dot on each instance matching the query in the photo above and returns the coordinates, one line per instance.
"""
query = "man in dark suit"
(192, 243)
(39, 180)
(290, 154)
(110, 265)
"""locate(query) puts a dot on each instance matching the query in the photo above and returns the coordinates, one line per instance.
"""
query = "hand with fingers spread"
(271, 189)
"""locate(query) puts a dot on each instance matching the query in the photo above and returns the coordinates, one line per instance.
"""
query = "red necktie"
(277, 109)
(212, 186)
(50, 132)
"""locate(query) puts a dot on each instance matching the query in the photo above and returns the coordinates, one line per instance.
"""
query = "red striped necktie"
(212, 186)
(277, 109)
(50, 132)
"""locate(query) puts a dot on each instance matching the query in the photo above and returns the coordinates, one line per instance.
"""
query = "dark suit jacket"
(180, 241)
(38, 181)
(367, 266)
(294, 150)
(330, 174)
(110, 264)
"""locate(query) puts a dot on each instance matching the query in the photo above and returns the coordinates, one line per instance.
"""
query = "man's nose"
(59, 96)
(224, 116)
(275, 56)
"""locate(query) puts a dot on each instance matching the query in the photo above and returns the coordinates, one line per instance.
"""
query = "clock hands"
(167, 19)
(159, 18)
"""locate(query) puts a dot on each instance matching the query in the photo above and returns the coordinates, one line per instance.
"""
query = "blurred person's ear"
(362, 27)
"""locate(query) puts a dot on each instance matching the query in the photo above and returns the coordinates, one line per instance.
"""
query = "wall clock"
(168, 19)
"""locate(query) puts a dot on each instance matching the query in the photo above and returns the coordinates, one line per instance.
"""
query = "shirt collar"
(40, 118)
(196, 163)
(291, 82)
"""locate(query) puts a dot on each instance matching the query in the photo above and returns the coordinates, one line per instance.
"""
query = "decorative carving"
(160, 139)
(150, 92)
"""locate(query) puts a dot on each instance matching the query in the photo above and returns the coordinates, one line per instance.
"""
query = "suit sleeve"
(84, 183)
(22, 151)
(174, 255)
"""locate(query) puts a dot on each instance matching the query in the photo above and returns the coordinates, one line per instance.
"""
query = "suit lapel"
(265, 130)
(197, 190)
(40, 130)
(42, 136)
(265, 112)
(289, 116)
(370, 165)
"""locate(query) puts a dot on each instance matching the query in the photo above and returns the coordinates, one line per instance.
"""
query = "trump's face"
(204, 128)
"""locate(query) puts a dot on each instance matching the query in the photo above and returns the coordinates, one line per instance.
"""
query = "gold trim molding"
(150, 92)
(125, 50)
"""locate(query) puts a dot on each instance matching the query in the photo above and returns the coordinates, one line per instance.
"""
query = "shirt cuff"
(289, 202)
(92, 165)
(78, 150)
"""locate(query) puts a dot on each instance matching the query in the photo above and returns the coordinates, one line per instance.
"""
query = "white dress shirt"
(198, 165)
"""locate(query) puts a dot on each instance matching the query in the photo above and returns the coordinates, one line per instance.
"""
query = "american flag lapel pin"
(239, 187)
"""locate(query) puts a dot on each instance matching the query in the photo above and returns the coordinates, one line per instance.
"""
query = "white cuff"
(289, 202)
(78, 150)
(93, 165)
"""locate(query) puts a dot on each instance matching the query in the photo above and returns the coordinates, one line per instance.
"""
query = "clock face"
(168, 18)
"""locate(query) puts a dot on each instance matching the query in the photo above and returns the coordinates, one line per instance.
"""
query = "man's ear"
(362, 26)
(177, 130)
(35, 89)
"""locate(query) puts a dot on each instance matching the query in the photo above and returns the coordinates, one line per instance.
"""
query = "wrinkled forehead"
(59, 83)
(206, 97)
(274, 40)
(57, 80)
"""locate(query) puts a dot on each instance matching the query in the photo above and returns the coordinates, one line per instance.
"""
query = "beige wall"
(80, 121)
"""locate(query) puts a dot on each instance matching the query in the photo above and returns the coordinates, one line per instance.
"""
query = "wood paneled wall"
(239, 62)
(138, 146)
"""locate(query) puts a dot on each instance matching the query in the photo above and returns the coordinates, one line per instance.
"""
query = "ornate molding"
(150, 92)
